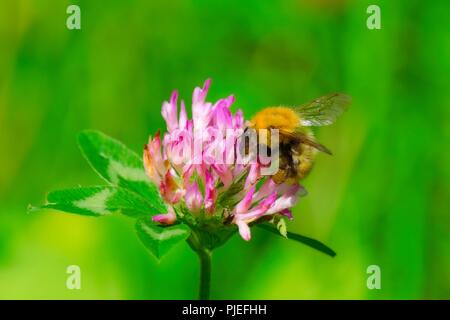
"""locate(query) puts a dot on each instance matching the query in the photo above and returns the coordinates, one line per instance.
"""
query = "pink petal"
(150, 167)
(244, 230)
(201, 110)
(199, 94)
(167, 218)
(201, 116)
(260, 210)
(190, 125)
(245, 203)
(229, 148)
(224, 173)
(230, 100)
(213, 146)
(193, 197)
(238, 169)
(183, 116)
(238, 120)
(210, 192)
(253, 175)
(169, 189)
(153, 160)
(174, 98)
(267, 188)
(287, 213)
(287, 200)
(188, 170)
(178, 147)
(169, 112)
(222, 117)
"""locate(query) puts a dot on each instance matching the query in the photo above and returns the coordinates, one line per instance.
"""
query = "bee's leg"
(280, 176)
(284, 164)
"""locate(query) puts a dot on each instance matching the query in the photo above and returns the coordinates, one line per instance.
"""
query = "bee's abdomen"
(296, 162)
(304, 161)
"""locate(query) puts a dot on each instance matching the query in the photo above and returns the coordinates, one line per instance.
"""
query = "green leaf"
(159, 240)
(118, 165)
(98, 201)
(315, 244)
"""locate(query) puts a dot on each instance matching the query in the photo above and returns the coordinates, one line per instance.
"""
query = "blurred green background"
(383, 198)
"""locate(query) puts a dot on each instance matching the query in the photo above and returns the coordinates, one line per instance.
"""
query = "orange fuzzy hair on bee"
(276, 117)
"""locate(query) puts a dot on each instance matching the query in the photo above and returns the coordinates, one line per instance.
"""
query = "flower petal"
(199, 94)
(244, 230)
(287, 200)
(245, 203)
(238, 119)
(287, 213)
(193, 197)
(210, 192)
(153, 161)
(260, 210)
(267, 188)
(167, 218)
(169, 189)
(253, 175)
(201, 111)
(222, 118)
(169, 112)
(183, 116)
(224, 173)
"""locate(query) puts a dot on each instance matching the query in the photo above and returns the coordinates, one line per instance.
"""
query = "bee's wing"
(311, 142)
(306, 140)
(324, 110)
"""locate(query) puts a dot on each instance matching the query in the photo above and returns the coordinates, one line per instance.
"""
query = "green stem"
(204, 255)
(205, 274)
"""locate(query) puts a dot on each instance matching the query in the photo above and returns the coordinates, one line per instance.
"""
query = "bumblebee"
(297, 146)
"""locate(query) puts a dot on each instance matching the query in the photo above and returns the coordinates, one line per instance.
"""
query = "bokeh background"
(383, 198)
